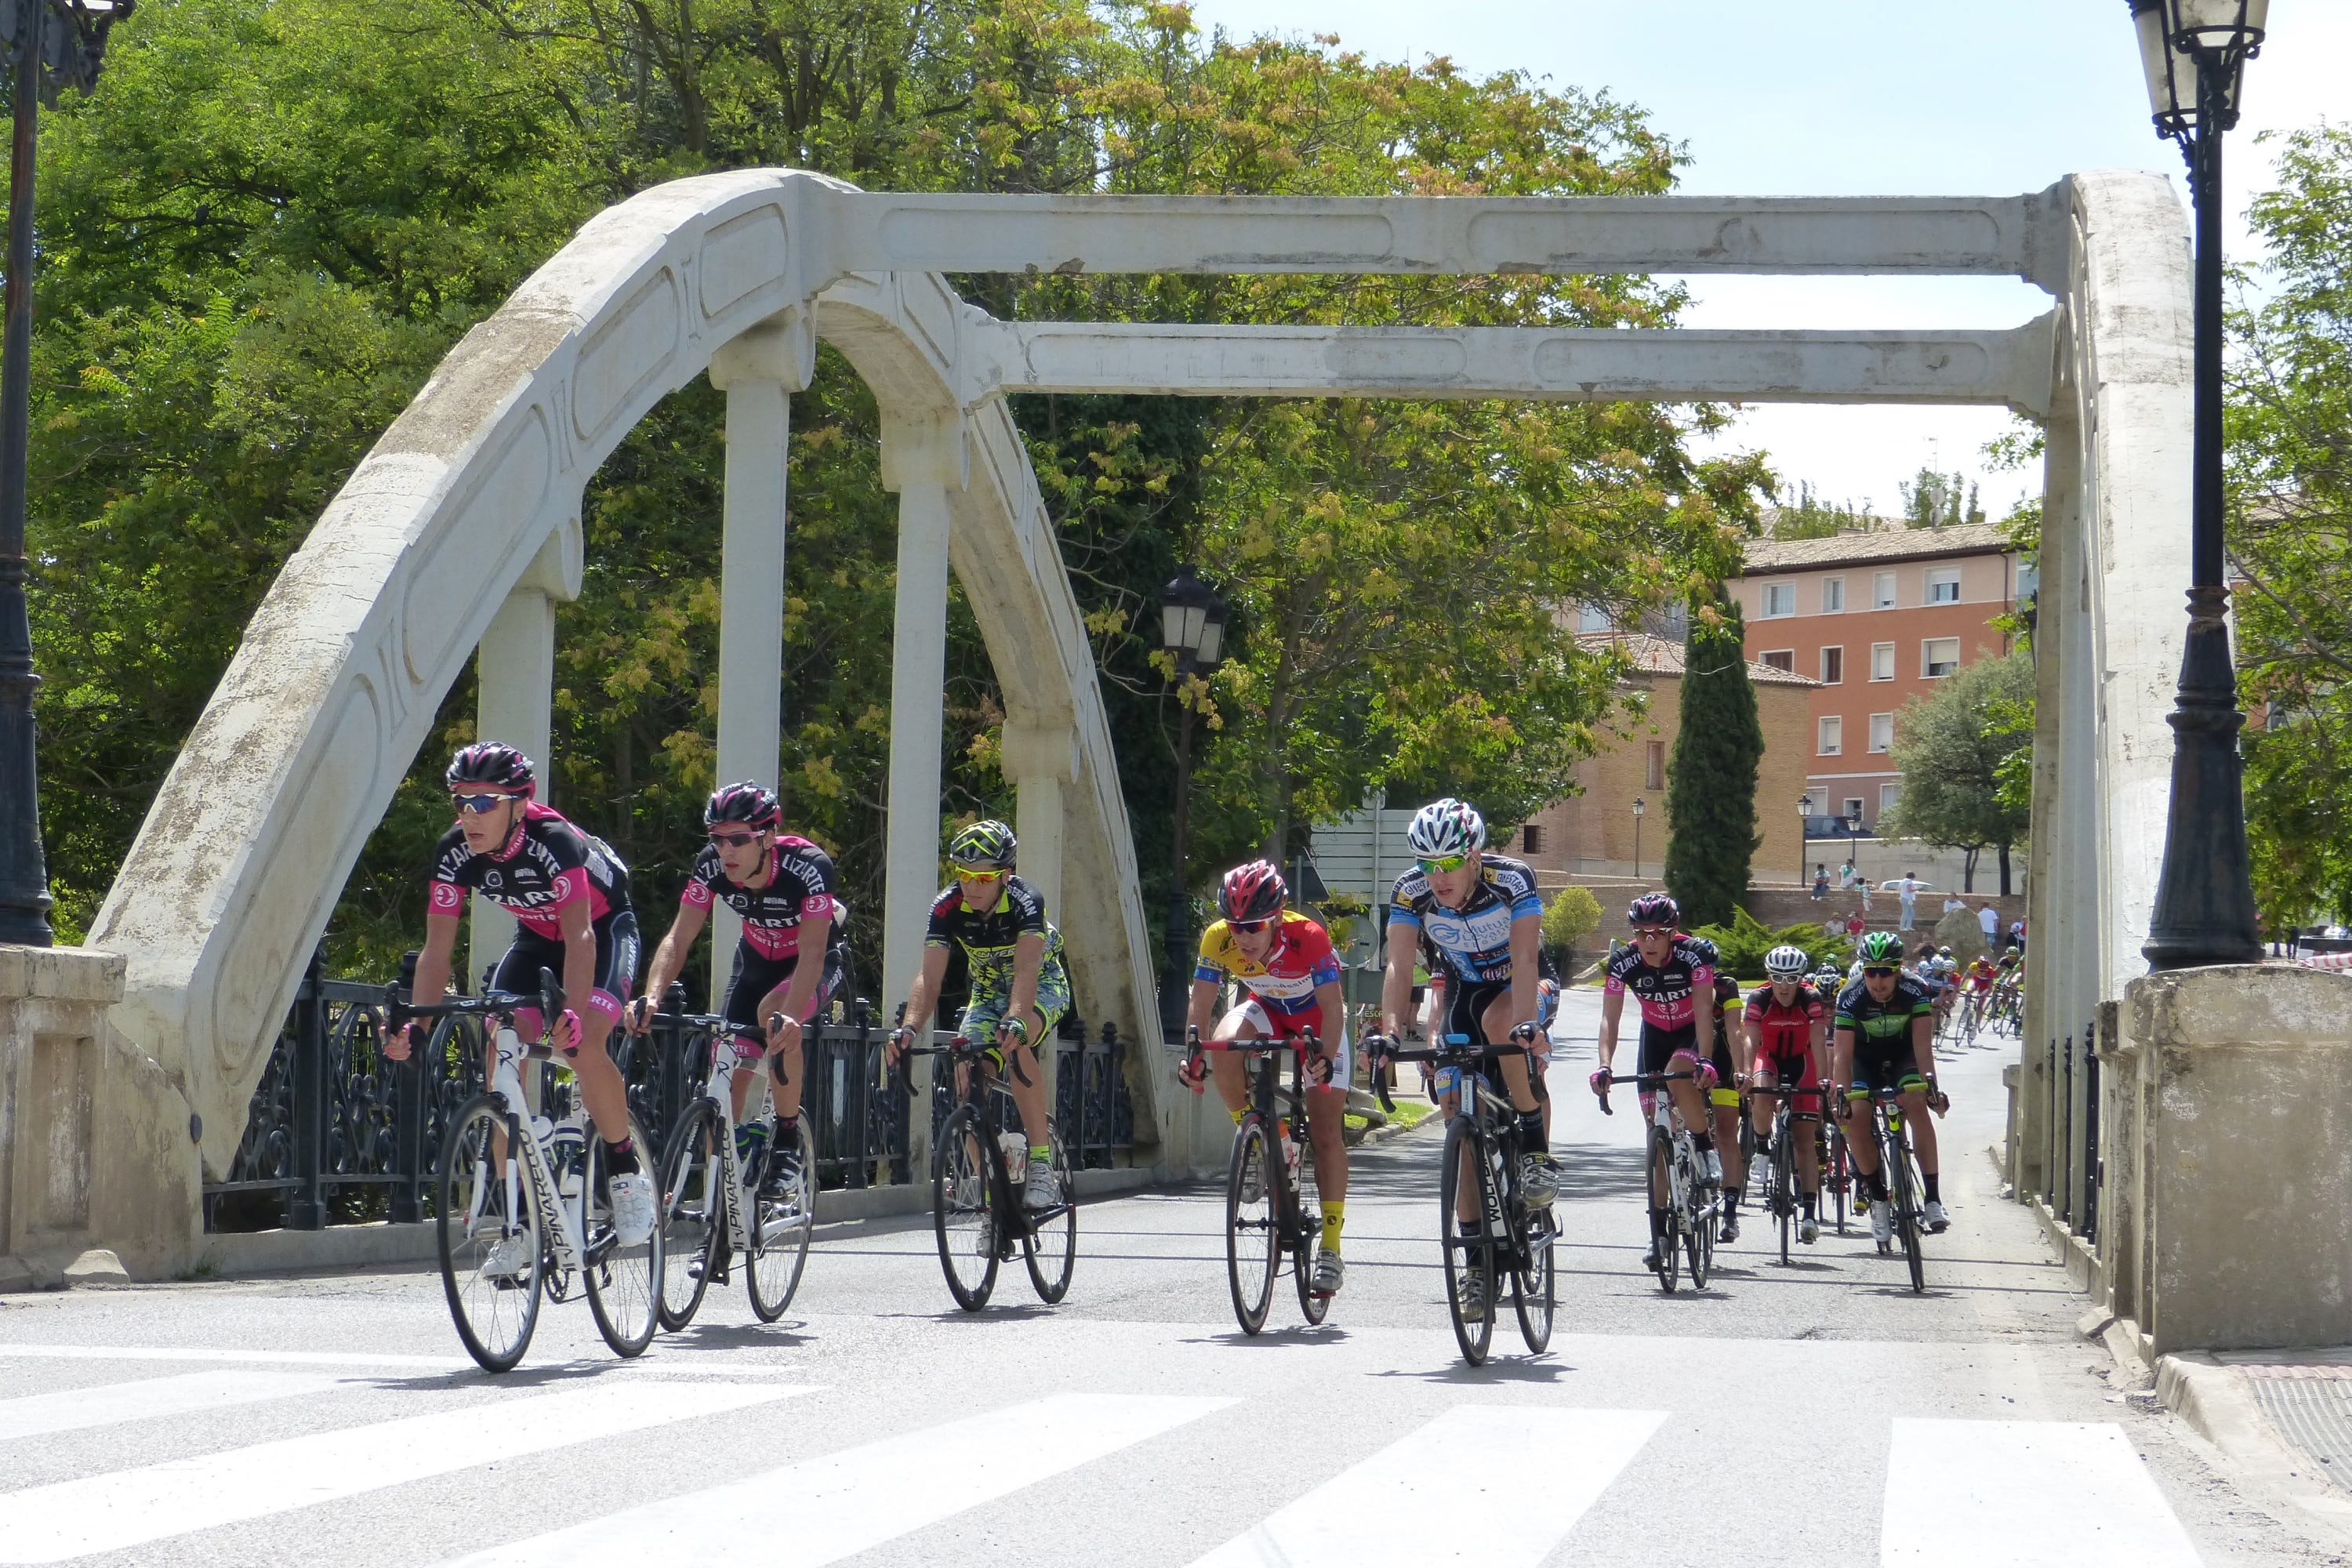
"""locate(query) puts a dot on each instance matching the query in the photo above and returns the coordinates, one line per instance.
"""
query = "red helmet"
(1252, 892)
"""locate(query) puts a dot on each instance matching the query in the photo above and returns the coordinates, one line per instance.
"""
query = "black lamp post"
(50, 45)
(1637, 838)
(2194, 53)
(1804, 837)
(1192, 631)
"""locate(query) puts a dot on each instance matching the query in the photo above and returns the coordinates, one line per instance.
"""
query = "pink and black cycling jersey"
(1671, 993)
(800, 887)
(546, 865)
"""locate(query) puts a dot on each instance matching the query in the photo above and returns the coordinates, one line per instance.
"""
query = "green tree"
(1931, 500)
(1950, 747)
(1711, 777)
(1800, 514)
(1572, 915)
(2289, 426)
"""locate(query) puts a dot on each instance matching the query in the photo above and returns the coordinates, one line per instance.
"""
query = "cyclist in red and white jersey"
(1284, 962)
(1671, 981)
(1787, 1026)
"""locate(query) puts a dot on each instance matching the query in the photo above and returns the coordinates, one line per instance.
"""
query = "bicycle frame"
(536, 1165)
(978, 1090)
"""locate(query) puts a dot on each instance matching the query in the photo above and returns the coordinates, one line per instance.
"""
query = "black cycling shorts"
(1885, 1064)
(1659, 1046)
(755, 976)
(616, 967)
(1467, 1002)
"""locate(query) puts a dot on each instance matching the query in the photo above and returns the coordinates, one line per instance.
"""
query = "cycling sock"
(1928, 1180)
(1875, 1185)
(621, 1159)
(1470, 1229)
(1042, 1156)
(1705, 1141)
(1806, 1202)
(1531, 1133)
(1732, 1201)
(1332, 1211)
(788, 1129)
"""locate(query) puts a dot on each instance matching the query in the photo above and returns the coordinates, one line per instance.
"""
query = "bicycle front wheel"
(1252, 1239)
(783, 1215)
(1783, 1196)
(1052, 1246)
(1309, 1230)
(489, 1237)
(1904, 1191)
(963, 1208)
(624, 1277)
(1469, 1259)
(1666, 1246)
(694, 1211)
(1532, 1285)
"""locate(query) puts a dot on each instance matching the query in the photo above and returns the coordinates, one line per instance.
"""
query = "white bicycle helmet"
(1787, 963)
(1447, 827)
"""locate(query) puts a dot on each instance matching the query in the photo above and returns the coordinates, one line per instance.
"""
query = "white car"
(1895, 888)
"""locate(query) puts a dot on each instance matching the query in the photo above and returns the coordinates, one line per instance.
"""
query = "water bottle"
(1290, 1155)
(750, 1145)
(1015, 1148)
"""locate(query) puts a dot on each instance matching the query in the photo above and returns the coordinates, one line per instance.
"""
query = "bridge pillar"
(759, 372)
(514, 668)
(1040, 757)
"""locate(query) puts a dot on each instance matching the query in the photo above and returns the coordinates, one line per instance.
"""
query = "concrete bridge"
(129, 1065)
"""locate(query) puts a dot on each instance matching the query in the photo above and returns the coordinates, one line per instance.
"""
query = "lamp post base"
(2204, 898)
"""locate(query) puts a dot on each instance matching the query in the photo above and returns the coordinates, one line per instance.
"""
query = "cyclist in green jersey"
(1885, 1038)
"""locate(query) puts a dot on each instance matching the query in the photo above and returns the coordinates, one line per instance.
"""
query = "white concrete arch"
(464, 521)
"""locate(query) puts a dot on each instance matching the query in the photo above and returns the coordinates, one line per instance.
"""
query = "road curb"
(2215, 1402)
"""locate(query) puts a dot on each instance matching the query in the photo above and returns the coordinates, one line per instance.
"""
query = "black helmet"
(489, 764)
(1655, 909)
(746, 803)
(985, 846)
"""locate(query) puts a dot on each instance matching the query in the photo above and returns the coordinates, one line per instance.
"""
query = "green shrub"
(1743, 944)
(1571, 916)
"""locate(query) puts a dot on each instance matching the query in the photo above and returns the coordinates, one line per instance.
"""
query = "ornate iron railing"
(336, 1133)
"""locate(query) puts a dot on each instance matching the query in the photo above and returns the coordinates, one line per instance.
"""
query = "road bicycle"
(1509, 1239)
(522, 1206)
(724, 1194)
(1780, 1198)
(1685, 1207)
(1900, 1175)
(1269, 1218)
(1836, 1168)
(978, 1173)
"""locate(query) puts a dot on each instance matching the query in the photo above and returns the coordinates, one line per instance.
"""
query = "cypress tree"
(1711, 778)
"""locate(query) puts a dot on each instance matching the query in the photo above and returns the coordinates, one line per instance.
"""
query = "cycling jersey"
(545, 865)
(1872, 1019)
(1474, 941)
(1980, 976)
(1784, 1030)
(1665, 993)
(799, 887)
(987, 937)
(1285, 982)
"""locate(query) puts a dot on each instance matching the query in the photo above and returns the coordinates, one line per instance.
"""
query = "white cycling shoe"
(511, 1259)
(633, 1207)
(1713, 1167)
(1331, 1273)
(1882, 1221)
(1809, 1229)
(1538, 1180)
(1932, 1214)
(1041, 1191)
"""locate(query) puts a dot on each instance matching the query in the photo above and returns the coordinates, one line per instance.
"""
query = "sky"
(1864, 98)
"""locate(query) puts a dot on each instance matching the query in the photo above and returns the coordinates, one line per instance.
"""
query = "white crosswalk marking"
(148, 1399)
(824, 1510)
(2024, 1494)
(1412, 1502)
(209, 1353)
(129, 1508)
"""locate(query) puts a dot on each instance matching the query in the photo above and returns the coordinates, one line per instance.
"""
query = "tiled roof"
(1657, 656)
(1883, 545)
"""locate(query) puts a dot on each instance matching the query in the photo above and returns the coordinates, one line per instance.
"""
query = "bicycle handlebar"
(399, 1011)
(1639, 1080)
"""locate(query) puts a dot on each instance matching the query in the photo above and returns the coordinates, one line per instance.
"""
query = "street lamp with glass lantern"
(1804, 836)
(1193, 634)
(2193, 54)
(1637, 838)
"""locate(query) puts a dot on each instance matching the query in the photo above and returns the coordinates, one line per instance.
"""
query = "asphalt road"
(1816, 1414)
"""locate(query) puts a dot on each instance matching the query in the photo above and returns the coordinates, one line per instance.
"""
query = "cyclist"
(1284, 961)
(782, 888)
(1885, 1038)
(1019, 989)
(1674, 985)
(1785, 1022)
(1482, 918)
(1725, 1097)
(569, 894)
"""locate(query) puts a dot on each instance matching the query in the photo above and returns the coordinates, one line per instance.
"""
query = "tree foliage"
(1950, 747)
(1711, 777)
(1572, 915)
(2289, 424)
(1931, 500)
(1741, 942)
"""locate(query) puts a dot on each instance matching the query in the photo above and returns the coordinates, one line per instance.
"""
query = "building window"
(1780, 599)
(1592, 618)
(1780, 658)
(1833, 735)
(1531, 839)
(1853, 808)
(1882, 661)
(1832, 595)
(1654, 776)
(1832, 666)
(1881, 591)
(1882, 732)
(1939, 657)
(1943, 585)
(1888, 795)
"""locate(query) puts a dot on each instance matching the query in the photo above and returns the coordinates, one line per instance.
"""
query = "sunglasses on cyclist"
(1876, 971)
(479, 804)
(1639, 932)
(978, 873)
(734, 841)
(1253, 927)
(1444, 863)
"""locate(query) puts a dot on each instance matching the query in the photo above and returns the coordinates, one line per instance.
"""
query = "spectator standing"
(1989, 922)
(1907, 895)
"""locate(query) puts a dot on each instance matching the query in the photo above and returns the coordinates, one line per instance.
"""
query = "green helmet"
(985, 846)
(1882, 947)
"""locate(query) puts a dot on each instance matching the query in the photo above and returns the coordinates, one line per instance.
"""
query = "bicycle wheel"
(1904, 1193)
(1667, 1245)
(624, 1280)
(1468, 1258)
(1837, 1176)
(782, 1218)
(1783, 1196)
(963, 1208)
(1698, 1230)
(1052, 1246)
(1532, 1285)
(693, 1211)
(1309, 1229)
(1252, 1238)
(487, 1217)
